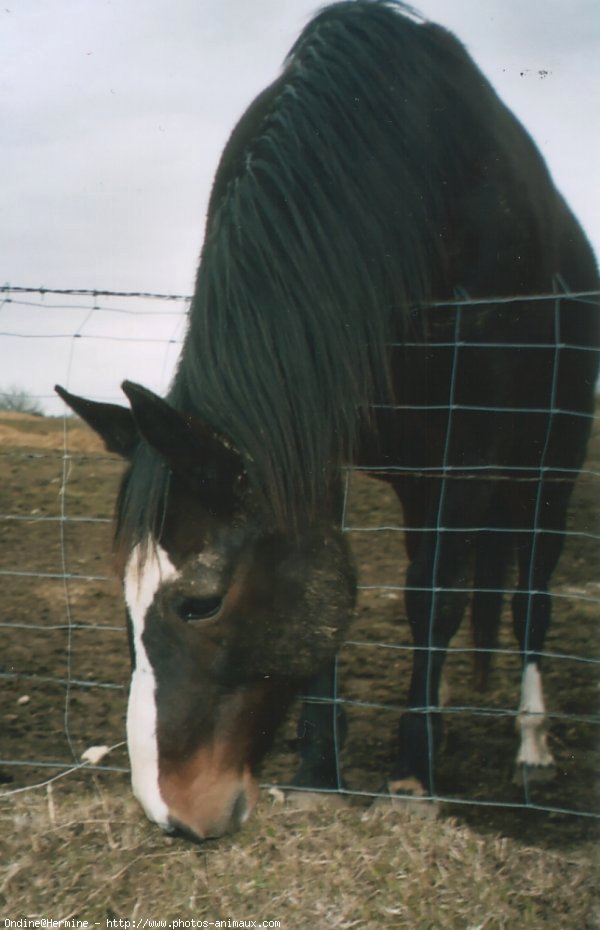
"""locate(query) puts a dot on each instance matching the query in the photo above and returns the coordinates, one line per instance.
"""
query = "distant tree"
(15, 400)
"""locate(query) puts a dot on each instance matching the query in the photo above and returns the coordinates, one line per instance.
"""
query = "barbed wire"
(150, 295)
(90, 292)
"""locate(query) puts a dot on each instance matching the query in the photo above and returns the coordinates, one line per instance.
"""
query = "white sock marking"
(531, 721)
(141, 585)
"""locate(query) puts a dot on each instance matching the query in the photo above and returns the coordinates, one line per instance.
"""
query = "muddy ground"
(64, 662)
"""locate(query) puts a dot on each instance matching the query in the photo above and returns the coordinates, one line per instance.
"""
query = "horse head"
(228, 613)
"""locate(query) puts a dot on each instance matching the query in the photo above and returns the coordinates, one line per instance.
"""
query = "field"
(79, 846)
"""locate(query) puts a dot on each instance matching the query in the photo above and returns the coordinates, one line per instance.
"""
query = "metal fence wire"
(64, 661)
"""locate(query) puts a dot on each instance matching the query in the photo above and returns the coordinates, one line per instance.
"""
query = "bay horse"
(377, 230)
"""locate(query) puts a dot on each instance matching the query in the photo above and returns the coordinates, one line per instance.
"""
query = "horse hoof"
(406, 787)
(307, 800)
(537, 774)
(409, 796)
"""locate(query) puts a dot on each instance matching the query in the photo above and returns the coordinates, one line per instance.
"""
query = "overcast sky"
(113, 114)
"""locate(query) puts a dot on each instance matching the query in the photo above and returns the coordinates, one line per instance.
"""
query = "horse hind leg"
(436, 594)
(435, 607)
(534, 762)
(493, 551)
(537, 553)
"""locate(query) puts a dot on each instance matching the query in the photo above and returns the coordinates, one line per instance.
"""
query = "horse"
(378, 234)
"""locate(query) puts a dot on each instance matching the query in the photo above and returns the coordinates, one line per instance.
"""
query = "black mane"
(330, 217)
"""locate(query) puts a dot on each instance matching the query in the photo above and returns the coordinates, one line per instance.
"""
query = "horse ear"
(191, 448)
(115, 425)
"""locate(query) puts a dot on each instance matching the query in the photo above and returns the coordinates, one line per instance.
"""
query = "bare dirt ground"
(64, 662)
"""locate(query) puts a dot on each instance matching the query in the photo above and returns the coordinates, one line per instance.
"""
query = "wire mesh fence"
(64, 661)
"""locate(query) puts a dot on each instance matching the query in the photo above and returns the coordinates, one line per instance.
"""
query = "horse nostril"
(179, 831)
(239, 812)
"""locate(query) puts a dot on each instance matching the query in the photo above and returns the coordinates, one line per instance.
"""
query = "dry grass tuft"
(96, 857)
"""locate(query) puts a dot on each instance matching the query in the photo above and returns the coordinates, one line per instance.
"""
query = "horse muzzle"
(205, 801)
(210, 828)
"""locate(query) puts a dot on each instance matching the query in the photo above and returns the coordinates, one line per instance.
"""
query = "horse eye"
(199, 608)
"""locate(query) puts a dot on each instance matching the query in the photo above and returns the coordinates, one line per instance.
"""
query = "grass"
(93, 856)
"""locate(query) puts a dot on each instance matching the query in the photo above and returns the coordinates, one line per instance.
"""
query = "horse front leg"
(321, 733)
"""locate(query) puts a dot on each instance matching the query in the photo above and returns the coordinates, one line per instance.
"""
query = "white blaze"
(532, 720)
(141, 584)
